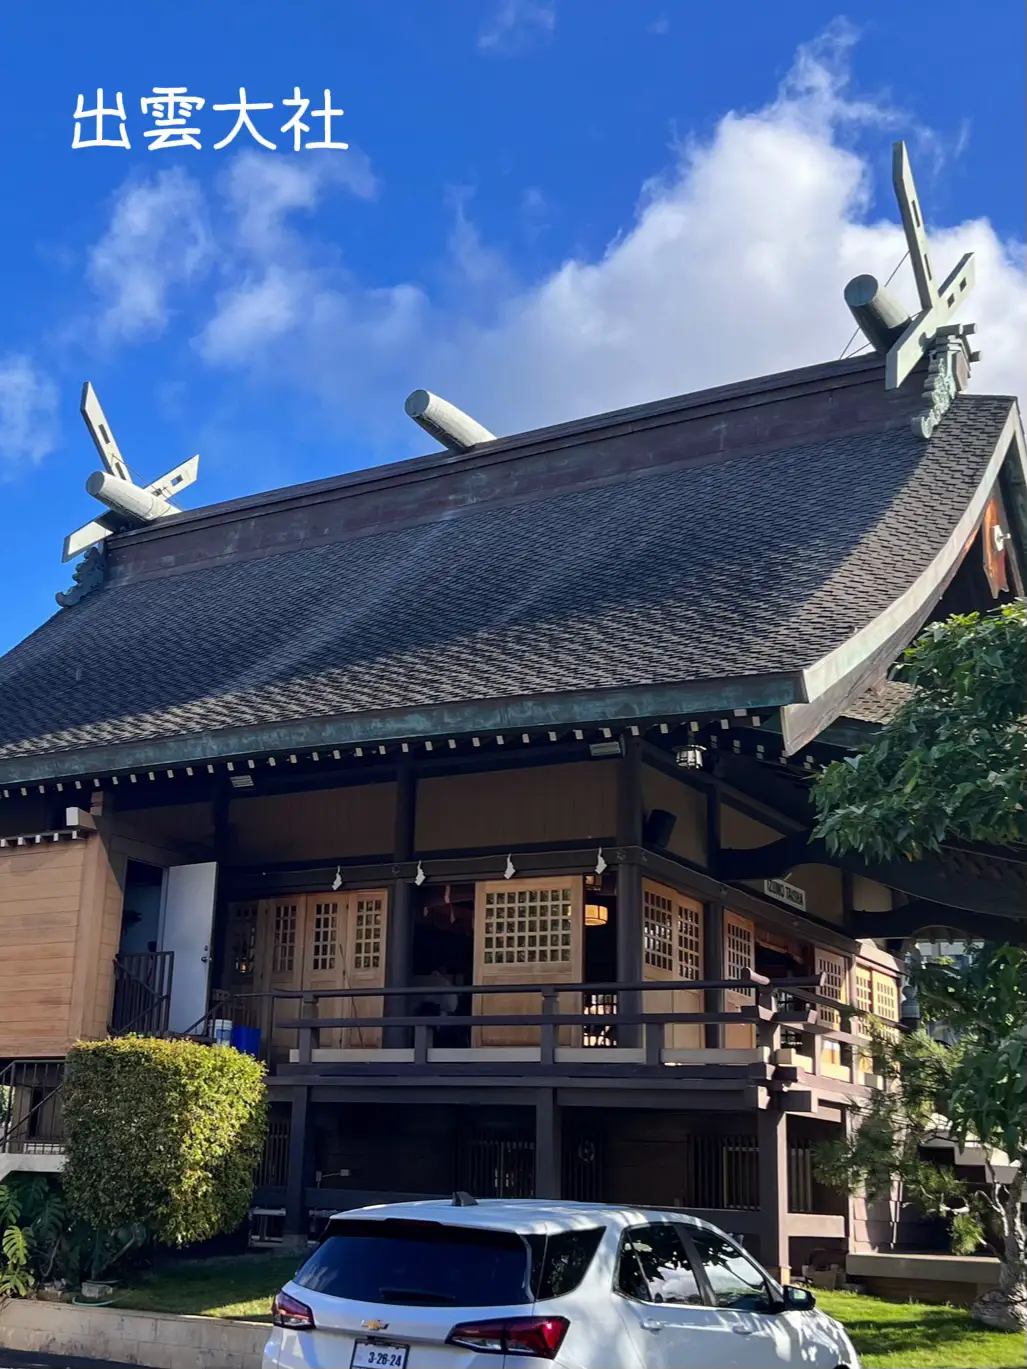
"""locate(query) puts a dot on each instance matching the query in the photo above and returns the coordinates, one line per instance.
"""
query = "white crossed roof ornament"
(130, 505)
(904, 339)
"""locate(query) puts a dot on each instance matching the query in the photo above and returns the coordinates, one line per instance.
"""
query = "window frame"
(698, 1273)
(775, 1299)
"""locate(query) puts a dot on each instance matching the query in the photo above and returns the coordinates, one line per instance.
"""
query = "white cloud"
(732, 264)
(514, 23)
(157, 241)
(28, 413)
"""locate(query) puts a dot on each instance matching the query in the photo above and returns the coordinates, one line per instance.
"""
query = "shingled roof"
(710, 550)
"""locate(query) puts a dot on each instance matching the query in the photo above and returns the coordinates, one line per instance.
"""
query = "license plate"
(378, 1355)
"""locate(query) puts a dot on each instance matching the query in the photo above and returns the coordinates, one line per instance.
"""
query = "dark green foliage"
(33, 1217)
(952, 764)
(162, 1134)
(973, 1091)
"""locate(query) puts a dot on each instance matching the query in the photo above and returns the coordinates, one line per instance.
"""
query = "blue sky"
(547, 208)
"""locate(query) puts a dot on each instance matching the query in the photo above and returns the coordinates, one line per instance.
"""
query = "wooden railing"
(610, 1015)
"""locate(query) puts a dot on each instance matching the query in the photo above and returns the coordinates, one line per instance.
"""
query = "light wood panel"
(672, 948)
(739, 955)
(572, 802)
(324, 823)
(835, 970)
(60, 916)
(527, 931)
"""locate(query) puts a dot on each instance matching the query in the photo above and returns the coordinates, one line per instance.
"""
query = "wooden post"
(548, 1145)
(400, 929)
(772, 1142)
(629, 884)
(713, 968)
(713, 830)
(305, 1052)
(295, 1208)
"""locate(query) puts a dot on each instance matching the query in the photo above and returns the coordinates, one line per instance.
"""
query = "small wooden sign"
(786, 893)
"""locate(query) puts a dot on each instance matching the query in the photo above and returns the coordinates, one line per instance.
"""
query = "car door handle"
(742, 1330)
(651, 1325)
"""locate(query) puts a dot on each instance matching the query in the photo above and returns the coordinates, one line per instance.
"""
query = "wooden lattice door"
(672, 949)
(527, 932)
(863, 998)
(329, 943)
(739, 957)
(366, 932)
(281, 924)
(833, 968)
(239, 961)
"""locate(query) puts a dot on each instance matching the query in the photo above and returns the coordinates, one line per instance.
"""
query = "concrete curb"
(156, 1340)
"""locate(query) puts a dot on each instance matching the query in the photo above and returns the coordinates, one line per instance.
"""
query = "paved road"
(17, 1359)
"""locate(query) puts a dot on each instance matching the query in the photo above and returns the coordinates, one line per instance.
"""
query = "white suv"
(465, 1284)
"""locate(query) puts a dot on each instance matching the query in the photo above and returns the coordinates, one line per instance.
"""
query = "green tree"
(973, 1091)
(952, 763)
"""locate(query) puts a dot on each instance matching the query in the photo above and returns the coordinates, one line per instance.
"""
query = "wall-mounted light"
(610, 748)
(241, 781)
(596, 915)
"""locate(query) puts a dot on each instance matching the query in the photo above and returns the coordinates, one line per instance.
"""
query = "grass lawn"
(888, 1335)
(911, 1335)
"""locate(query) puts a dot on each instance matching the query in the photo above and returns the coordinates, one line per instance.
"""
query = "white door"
(187, 926)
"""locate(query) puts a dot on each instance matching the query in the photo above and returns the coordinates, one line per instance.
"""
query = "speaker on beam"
(657, 828)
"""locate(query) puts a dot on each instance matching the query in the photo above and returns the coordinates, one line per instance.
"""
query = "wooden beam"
(548, 1145)
(915, 917)
(399, 942)
(772, 1140)
(629, 882)
(713, 968)
(295, 1213)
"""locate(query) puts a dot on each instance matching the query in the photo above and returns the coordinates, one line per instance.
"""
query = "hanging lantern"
(596, 915)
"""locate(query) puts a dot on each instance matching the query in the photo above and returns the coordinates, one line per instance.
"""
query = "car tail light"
(538, 1336)
(286, 1311)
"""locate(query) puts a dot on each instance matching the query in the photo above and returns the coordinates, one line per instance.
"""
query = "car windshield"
(420, 1264)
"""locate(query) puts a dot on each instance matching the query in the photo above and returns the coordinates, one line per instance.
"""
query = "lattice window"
(283, 956)
(658, 930)
(326, 936)
(243, 939)
(367, 934)
(863, 985)
(594, 1004)
(832, 967)
(886, 998)
(739, 950)
(689, 942)
(528, 926)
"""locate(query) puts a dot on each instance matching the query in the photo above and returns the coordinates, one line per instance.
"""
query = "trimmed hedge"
(164, 1133)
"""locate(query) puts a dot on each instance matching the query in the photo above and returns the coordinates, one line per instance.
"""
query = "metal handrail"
(16, 1128)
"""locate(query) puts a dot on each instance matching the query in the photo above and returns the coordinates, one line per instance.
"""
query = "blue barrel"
(247, 1040)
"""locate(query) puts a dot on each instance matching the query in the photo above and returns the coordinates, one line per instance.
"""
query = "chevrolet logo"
(375, 1325)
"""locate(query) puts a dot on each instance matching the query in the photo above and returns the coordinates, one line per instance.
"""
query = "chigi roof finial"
(904, 339)
(130, 505)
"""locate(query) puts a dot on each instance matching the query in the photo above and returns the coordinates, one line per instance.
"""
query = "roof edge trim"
(845, 659)
(585, 708)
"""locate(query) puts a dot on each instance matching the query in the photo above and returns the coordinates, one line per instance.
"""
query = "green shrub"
(162, 1133)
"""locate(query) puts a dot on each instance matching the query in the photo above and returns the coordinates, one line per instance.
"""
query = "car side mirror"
(797, 1299)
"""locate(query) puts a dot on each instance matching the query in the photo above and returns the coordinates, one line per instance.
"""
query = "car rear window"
(420, 1264)
(559, 1262)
